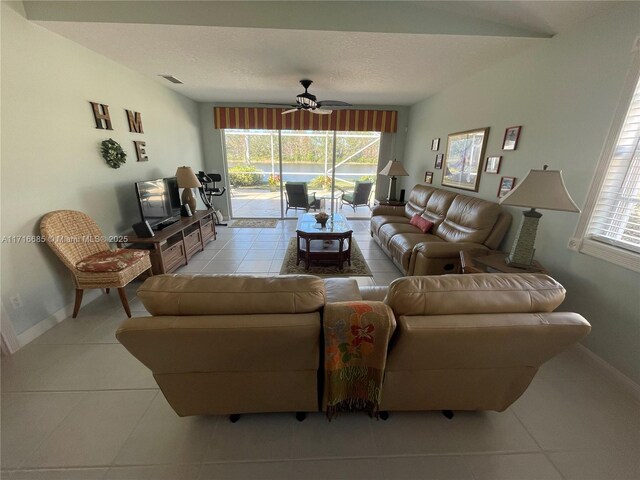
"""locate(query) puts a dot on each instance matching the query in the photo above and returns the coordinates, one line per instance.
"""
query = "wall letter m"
(135, 121)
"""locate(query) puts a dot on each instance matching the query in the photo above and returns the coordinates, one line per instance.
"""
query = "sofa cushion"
(469, 219)
(401, 246)
(111, 260)
(380, 220)
(437, 206)
(417, 200)
(387, 231)
(478, 293)
(231, 294)
(422, 223)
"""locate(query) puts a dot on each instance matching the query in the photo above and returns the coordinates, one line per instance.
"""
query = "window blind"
(616, 215)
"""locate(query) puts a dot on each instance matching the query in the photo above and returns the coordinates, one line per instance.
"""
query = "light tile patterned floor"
(77, 406)
(261, 251)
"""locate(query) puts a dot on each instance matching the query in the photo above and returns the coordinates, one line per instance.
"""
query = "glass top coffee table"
(328, 245)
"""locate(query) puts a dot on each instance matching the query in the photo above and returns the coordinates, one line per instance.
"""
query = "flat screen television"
(159, 200)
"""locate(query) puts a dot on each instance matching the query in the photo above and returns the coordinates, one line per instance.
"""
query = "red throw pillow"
(422, 223)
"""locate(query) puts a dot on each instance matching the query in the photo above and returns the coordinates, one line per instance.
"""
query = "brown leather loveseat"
(460, 222)
(231, 344)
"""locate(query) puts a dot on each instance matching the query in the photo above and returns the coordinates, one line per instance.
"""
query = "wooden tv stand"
(174, 245)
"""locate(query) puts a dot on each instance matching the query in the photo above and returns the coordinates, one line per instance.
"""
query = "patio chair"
(359, 196)
(77, 240)
(298, 197)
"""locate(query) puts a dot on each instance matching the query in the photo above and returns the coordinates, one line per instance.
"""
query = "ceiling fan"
(307, 101)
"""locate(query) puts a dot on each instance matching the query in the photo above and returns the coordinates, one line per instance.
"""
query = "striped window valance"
(272, 119)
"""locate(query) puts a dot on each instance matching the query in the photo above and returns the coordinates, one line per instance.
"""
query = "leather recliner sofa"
(229, 344)
(460, 222)
(232, 344)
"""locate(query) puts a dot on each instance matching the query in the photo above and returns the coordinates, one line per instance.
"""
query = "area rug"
(358, 268)
(254, 223)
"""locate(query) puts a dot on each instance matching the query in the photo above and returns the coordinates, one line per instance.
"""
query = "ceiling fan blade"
(290, 111)
(333, 103)
(278, 105)
(322, 111)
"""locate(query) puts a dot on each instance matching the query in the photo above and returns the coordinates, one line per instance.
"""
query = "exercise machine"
(209, 190)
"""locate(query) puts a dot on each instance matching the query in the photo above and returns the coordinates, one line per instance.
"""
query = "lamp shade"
(186, 178)
(394, 169)
(542, 189)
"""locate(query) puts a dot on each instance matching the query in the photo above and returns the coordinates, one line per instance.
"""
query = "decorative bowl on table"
(322, 218)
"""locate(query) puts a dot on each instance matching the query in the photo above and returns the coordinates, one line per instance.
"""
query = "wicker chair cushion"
(111, 260)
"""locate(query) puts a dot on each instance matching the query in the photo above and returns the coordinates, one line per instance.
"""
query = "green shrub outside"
(244, 176)
(367, 178)
(323, 182)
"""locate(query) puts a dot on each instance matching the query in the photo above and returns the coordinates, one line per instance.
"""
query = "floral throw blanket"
(356, 336)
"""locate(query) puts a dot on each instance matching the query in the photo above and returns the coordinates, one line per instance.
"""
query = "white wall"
(564, 93)
(51, 151)
(213, 153)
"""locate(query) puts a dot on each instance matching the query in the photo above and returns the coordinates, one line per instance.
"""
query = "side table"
(488, 261)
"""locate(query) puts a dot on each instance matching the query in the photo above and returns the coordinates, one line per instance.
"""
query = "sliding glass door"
(324, 164)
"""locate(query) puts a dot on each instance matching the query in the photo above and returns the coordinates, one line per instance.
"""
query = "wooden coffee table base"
(324, 248)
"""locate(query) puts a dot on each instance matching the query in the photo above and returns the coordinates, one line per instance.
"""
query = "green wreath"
(113, 154)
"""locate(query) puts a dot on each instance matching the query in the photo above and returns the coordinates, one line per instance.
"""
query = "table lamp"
(542, 189)
(187, 180)
(393, 169)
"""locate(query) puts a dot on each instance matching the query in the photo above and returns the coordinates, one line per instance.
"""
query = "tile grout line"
(134, 428)
(53, 430)
(544, 453)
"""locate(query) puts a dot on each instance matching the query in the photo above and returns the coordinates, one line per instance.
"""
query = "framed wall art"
(492, 165)
(439, 160)
(511, 136)
(435, 144)
(506, 185)
(465, 151)
(428, 177)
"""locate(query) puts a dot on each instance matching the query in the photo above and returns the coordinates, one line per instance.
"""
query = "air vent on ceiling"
(172, 79)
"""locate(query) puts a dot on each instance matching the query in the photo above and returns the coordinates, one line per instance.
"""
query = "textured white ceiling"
(240, 64)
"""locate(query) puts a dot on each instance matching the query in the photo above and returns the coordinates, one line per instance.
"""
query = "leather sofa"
(460, 222)
(230, 344)
(233, 344)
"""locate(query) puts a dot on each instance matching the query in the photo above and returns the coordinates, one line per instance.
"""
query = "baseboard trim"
(51, 321)
(612, 372)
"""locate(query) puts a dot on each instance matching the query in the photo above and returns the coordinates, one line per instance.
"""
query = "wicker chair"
(77, 240)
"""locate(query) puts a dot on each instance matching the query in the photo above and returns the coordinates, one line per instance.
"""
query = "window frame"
(580, 242)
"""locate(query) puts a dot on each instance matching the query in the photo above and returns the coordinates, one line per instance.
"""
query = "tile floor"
(261, 251)
(76, 405)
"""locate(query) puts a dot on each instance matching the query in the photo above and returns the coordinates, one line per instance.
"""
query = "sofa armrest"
(223, 343)
(397, 211)
(505, 340)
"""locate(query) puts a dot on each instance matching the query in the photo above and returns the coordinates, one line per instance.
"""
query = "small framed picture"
(428, 177)
(439, 160)
(435, 144)
(511, 136)
(492, 165)
(506, 185)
